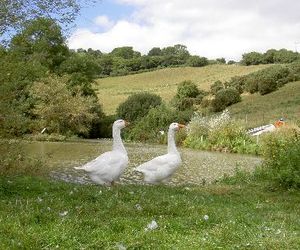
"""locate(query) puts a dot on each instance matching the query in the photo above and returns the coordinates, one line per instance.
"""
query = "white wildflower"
(151, 226)
(64, 213)
(206, 217)
(138, 207)
(120, 246)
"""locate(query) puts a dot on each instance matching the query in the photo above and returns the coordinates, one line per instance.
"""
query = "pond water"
(199, 167)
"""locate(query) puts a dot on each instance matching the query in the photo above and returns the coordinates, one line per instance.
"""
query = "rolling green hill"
(114, 90)
(256, 110)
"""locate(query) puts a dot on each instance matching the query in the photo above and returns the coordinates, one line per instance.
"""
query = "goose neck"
(171, 142)
(117, 140)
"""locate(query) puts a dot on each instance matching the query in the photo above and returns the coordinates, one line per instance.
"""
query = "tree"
(61, 111)
(156, 51)
(14, 13)
(187, 95)
(197, 61)
(252, 58)
(40, 40)
(225, 98)
(138, 105)
(125, 52)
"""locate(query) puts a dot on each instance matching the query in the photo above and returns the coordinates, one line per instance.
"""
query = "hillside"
(114, 90)
(258, 110)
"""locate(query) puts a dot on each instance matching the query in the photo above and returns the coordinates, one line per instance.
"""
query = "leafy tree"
(156, 51)
(221, 60)
(225, 98)
(252, 58)
(138, 105)
(40, 40)
(125, 52)
(61, 111)
(197, 61)
(187, 95)
(13, 14)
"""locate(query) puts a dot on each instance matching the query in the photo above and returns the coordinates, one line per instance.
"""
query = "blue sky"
(211, 28)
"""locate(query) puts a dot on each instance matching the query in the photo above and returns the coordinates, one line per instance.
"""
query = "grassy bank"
(114, 90)
(258, 110)
(41, 214)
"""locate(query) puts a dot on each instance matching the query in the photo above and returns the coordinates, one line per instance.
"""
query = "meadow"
(37, 213)
(112, 91)
(256, 110)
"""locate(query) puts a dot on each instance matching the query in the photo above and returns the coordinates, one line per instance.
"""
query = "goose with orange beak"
(161, 168)
(108, 167)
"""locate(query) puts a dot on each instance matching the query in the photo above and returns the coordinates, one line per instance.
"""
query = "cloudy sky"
(210, 28)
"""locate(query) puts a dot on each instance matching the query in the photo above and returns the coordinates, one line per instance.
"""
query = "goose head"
(120, 124)
(176, 126)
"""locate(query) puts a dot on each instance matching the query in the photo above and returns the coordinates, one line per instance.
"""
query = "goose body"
(161, 168)
(109, 166)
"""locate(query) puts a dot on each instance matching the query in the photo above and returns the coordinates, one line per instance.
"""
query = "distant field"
(114, 90)
(258, 110)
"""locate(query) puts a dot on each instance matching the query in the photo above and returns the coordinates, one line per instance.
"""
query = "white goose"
(161, 168)
(109, 166)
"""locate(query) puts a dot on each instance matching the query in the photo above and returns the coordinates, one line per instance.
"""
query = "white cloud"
(210, 28)
(103, 21)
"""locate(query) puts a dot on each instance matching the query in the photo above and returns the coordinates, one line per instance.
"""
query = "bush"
(266, 85)
(187, 95)
(225, 98)
(218, 133)
(281, 157)
(197, 61)
(216, 86)
(158, 119)
(60, 111)
(137, 106)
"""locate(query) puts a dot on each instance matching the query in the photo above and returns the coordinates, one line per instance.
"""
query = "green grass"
(38, 213)
(259, 110)
(114, 90)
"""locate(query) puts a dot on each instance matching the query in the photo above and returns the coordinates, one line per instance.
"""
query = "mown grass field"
(256, 110)
(114, 90)
(40, 214)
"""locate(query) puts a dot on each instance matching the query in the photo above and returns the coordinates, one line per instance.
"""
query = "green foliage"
(158, 119)
(216, 86)
(252, 58)
(137, 106)
(225, 98)
(40, 40)
(187, 95)
(219, 133)
(125, 52)
(60, 111)
(156, 51)
(270, 56)
(282, 159)
(15, 13)
(197, 61)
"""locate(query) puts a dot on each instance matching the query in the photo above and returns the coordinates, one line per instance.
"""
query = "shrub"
(158, 119)
(61, 111)
(219, 133)
(216, 86)
(266, 85)
(187, 95)
(137, 106)
(197, 61)
(225, 98)
(281, 157)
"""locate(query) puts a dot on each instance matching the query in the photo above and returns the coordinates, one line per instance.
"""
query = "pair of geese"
(108, 167)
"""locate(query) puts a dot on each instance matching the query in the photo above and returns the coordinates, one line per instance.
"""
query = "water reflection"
(199, 167)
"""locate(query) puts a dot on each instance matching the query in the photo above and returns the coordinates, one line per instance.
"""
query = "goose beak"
(127, 123)
(181, 126)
